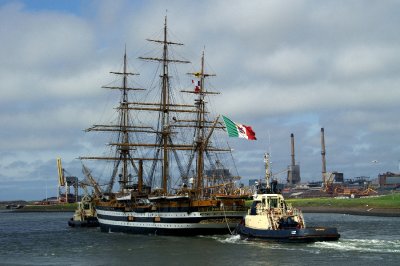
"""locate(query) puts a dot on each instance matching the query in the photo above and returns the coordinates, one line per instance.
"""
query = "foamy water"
(362, 245)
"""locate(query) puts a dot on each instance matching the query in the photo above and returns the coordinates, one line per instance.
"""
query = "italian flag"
(238, 130)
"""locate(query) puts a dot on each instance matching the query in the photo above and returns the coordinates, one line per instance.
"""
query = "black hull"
(163, 231)
(176, 223)
(91, 222)
(311, 234)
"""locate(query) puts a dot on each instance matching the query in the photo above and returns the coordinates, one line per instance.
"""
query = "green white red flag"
(238, 130)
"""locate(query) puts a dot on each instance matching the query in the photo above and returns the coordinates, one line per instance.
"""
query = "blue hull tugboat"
(85, 214)
(271, 218)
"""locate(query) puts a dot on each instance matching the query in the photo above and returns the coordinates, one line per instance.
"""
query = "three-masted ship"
(206, 201)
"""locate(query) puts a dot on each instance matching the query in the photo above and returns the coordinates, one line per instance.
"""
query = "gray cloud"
(282, 67)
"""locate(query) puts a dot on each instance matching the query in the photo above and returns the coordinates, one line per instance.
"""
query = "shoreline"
(383, 212)
(41, 208)
(38, 210)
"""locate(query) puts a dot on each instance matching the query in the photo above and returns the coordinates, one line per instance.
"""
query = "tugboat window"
(273, 203)
(253, 209)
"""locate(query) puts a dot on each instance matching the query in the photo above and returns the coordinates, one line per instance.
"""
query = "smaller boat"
(85, 214)
(271, 218)
(14, 206)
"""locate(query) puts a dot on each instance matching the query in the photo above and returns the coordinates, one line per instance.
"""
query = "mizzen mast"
(204, 128)
(201, 144)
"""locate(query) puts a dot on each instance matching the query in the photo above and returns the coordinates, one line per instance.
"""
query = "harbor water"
(45, 239)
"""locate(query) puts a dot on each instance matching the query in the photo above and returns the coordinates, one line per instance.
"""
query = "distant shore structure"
(323, 153)
(293, 176)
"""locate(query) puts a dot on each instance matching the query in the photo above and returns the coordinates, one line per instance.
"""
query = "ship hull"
(177, 223)
(89, 222)
(310, 234)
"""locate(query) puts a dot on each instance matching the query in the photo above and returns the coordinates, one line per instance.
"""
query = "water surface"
(46, 239)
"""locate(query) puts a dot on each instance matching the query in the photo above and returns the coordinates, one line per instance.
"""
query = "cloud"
(282, 67)
(286, 65)
(39, 40)
(362, 61)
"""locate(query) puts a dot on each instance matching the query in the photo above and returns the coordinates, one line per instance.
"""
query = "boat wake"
(232, 239)
(227, 239)
(343, 245)
(361, 245)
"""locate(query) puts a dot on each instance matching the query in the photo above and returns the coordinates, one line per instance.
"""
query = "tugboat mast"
(267, 170)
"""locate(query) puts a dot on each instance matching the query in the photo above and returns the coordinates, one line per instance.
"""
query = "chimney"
(292, 142)
(323, 154)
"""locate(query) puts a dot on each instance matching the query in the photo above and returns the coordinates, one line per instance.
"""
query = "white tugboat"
(271, 218)
(85, 214)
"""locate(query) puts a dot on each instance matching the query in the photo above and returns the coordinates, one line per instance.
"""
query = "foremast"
(124, 128)
(124, 150)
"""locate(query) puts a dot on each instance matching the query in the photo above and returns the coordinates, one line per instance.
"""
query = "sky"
(282, 67)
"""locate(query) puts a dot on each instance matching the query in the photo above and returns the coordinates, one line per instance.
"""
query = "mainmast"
(165, 113)
(124, 126)
(165, 104)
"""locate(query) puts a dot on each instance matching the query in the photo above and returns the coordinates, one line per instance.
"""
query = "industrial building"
(389, 180)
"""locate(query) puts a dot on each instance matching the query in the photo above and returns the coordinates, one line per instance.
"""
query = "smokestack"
(323, 154)
(292, 140)
(293, 173)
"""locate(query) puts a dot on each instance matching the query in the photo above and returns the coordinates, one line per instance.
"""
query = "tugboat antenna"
(267, 170)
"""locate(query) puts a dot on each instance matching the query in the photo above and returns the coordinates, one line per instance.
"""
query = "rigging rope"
(227, 224)
(233, 159)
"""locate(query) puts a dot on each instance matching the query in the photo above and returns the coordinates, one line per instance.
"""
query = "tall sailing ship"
(205, 201)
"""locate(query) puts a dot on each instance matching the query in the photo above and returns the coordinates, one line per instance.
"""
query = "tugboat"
(270, 218)
(85, 214)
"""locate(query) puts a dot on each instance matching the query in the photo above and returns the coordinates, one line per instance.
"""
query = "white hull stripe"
(166, 225)
(171, 214)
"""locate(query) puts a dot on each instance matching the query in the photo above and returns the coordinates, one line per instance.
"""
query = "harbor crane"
(97, 189)
(65, 181)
